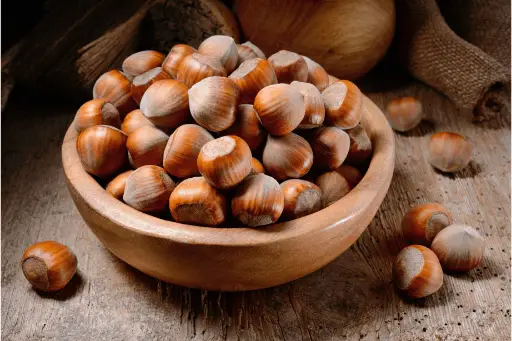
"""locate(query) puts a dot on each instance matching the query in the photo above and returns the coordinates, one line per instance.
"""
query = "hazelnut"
(330, 147)
(334, 187)
(315, 110)
(102, 150)
(148, 189)
(287, 156)
(417, 271)
(256, 167)
(404, 114)
(258, 201)
(316, 74)
(114, 87)
(146, 146)
(143, 81)
(135, 119)
(196, 67)
(361, 148)
(280, 108)
(248, 127)
(48, 265)
(332, 79)
(175, 57)
(165, 103)
(252, 76)
(343, 104)
(97, 112)
(222, 48)
(213, 103)
(248, 51)
(289, 67)
(422, 223)
(449, 152)
(182, 150)
(351, 174)
(225, 162)
(116, 187)
(142, 61)
(300, 198)
(195, 201)
(459, 248)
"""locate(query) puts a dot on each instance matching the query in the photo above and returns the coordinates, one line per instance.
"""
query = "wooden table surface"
(352, 298)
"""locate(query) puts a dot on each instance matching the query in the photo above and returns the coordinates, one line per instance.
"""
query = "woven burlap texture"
(436, 55)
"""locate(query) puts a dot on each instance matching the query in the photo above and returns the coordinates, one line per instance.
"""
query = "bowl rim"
(354, 204)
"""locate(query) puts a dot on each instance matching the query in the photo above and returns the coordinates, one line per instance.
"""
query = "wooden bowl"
(234, 259)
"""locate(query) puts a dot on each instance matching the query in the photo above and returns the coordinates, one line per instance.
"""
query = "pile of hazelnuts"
(212, 123)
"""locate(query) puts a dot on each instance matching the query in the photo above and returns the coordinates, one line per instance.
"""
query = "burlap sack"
(436, 55)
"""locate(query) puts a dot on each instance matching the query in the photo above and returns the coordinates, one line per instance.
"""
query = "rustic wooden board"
(350, 299)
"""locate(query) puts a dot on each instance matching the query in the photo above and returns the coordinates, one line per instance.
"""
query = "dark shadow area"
(470, 171)
(73, 288)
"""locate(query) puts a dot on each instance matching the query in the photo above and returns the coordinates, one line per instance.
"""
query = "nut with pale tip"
(142, 61)
(422, 223)
(102, 150)
(148, 189)
(449, 152)
(280, 108)
(417, 271)
(404, 113)
(330, 147)
(258, 201)
(175, 57)
(146, 146)
(343, 104)
(196, 67)
(223, 48)
(248, 51)
(301, 198)
(97, 112)
(252, 76)
(213, 103)
(195, 201)
(361, 147)
(143, 81)
(316, 74)
(135, 119)
(315, 111)
(115, 87)
(116, 187)
(48, 265)
(289, 66)
(248, 127)
(225, 162)
(182, 150)
(286, 157)
(333, 185)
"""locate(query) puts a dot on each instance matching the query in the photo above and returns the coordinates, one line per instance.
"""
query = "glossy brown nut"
(422, 223)
(257, 167)
(417, 271)
(316, 74)
(280, 108)
(459, 248)
(146, 146)
(258, 201)
(449, 152)
(330, 147)
(148, 189)
(315, 111)
(135, 119)
(289, 67)
(351, 174)
(287, 156)
(48, 265)
(97, 112)
(195, 201)
(165, 103)
(116, 187)
(196, 67)
(223, 48)
(142, 61)
(361, 148)
(114, 87)
(213, 103)
(175, 57)
(225, 162)
(182, 150)
(252, 76)
(404, 114)
(343, 104)
(301, 198)
(248, 127)
(143, 81)
(334, 187)
(102, 150)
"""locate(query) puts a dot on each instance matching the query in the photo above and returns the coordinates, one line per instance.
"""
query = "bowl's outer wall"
(234, 259)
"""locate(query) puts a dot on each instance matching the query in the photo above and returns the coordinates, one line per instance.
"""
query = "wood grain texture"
(250, 258)
(352, 298)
